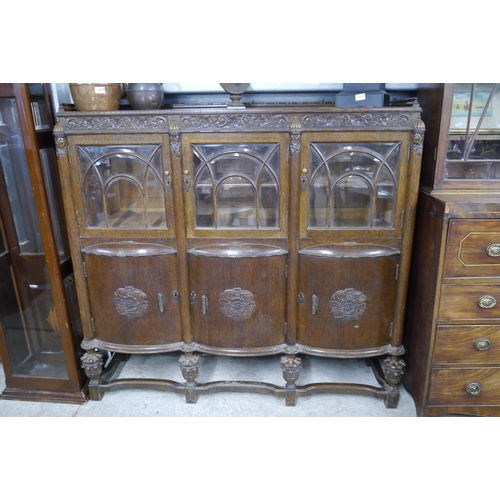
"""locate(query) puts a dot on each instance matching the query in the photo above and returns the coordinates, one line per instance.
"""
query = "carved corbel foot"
(393, 369)
(189, 365)
(92, 363)
(290, 366)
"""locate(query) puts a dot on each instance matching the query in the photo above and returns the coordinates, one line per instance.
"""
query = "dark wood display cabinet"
(40, 330)
(264, 231)
(453, 319)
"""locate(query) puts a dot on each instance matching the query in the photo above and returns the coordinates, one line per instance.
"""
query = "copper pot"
(96, 96)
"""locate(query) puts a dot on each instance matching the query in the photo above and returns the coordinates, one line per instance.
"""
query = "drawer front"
(473, 249)
(465, 386)
(467, 344)
(470, 302)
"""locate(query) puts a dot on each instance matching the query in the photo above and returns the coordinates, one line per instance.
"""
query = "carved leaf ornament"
(130, 302)
(237, 304)
(348, 304)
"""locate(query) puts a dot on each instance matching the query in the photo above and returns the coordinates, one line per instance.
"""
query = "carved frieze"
(130, 302)
(348, 304)
(356, 120)
(122, 123)
(235, 122)
(237, 304)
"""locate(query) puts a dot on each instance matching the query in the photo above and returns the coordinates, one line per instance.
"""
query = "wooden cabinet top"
(251, 119)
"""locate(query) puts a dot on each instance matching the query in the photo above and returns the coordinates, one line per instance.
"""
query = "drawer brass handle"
(487, 302)
(493, 250)
(482, 344)
(473, 388)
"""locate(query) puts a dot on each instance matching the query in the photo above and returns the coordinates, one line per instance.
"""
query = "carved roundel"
(130, 302)
(237, 304)
(348, 304)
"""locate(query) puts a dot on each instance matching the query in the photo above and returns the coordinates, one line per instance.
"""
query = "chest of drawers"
(453, 320)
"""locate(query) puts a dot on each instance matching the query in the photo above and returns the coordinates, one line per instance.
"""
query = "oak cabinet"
(271, 230)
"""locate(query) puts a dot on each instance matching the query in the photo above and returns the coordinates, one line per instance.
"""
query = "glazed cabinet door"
(123, 185)
(237, 184)
(353, 182)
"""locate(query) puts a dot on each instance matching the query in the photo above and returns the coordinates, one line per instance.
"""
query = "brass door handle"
(493, 250)
(482, 344)
(474, 388)
(487, 302)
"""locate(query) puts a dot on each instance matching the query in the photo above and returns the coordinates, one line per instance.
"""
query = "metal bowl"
(145, 95)
(96, 96)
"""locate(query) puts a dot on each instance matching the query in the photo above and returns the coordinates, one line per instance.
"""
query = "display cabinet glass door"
(125, 186)
(30, 324)
(39, 319)
(351, 185)
(473, 152)
(236, 185)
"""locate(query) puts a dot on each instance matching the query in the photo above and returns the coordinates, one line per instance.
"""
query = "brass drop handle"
(474, 388)
(482, 344)
(487, 302)
(493, 250)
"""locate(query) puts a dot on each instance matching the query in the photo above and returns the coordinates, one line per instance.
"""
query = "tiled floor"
(154, 403)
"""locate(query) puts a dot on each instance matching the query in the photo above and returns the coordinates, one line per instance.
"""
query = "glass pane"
(319, 198)
(49, 166)
(352, 202)
(474, 132)
(123, 186)
(203, 192)
(30, 329)
(236, 203)
(385, 200)
(237, 182)
(268, 199)
(27, 311)
(17, 179)
(353, 185)
(39, 108)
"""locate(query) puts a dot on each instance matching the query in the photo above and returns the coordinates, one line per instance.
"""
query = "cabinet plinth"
(242, 232)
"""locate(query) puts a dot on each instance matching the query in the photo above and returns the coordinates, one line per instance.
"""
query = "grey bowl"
(145, 95)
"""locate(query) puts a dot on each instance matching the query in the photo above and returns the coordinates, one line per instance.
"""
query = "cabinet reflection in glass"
(236, 186)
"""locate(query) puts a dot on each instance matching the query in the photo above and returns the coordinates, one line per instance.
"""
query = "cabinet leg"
(290, 366)
(189, 365)
(92, 363)
(393, 369)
